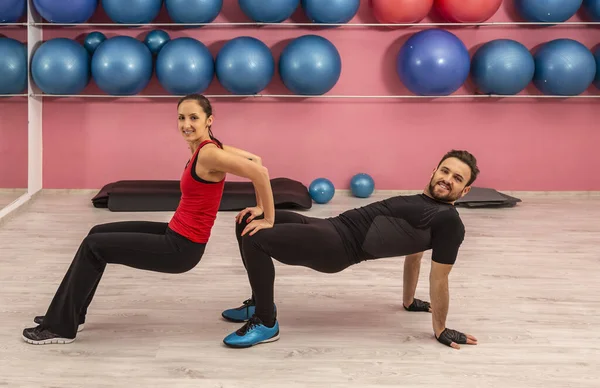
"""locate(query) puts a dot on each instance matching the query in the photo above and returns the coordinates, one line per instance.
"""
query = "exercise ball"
(132, 11)
(502, 66)
(330, 11)
(268, 11)
(155, 40)
(401, 11)
(61, 66)
(597, 58)
(12, 10)
(467, 11)
(193, 11)
(73, 11)
(13, 66)
(563, 67)
(184, 66)
(321, 190)
(310, 65)
(362, 185)
(245, 65)
(433, 62)
(556, 11)
(122, 65)
(591, 9)
(93, 40)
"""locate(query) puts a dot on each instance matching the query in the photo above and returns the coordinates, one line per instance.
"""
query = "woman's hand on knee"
(254, 212)
(255, 226)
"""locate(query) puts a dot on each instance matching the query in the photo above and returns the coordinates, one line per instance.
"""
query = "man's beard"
(450, 197)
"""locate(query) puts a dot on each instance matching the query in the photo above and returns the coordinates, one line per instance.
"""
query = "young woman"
(173, 247)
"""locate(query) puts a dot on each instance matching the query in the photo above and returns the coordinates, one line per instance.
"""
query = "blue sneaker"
(242, 313)
(254, 332)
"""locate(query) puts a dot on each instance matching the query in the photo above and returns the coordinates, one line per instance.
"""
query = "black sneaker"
(40, 319)
(36, 336)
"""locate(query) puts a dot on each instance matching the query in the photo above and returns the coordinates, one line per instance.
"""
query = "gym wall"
(521, 144)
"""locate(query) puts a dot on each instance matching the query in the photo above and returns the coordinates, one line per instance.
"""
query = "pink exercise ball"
(401, 11)
(467, 11)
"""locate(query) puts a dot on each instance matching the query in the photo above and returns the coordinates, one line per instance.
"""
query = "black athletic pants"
(294, 240)
(151, 246)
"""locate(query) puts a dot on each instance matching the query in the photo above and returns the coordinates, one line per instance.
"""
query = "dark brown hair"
(206, 107)
(465, 157)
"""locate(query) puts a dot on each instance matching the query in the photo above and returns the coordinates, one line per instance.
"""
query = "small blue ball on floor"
(321, 190)
(362, 185)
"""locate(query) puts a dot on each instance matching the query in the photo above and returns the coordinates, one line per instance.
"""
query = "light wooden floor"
(8, 196)
(526, 284)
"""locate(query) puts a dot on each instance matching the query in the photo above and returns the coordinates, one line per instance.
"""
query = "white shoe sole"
(49, 341)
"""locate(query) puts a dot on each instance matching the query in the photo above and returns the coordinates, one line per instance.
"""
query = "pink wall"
(13, 130)
(520, 144)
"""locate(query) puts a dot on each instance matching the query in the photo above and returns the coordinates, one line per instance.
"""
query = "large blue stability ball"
(93, 40)
(61, 66)
(73, 11)
(12, 10)
(321, 190)
(597, 58)
(13, 66)
(193, 11)
(268, 11)
(132, 11)
(433, 62)
(548, 11)
(122, 66)
(245, 65)
(155, 40)
(310, 65)
(591, 9)
(563, 67)
(330, 11)
(502, 66)
(185, 66)
(362, 185)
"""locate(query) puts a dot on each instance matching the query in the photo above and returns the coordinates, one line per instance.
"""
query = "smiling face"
(193, 121)
(449, 181)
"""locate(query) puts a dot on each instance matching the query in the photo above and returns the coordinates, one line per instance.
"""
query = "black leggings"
(151, 246)
(294, 240)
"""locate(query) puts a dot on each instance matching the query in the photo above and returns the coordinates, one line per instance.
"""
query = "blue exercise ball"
(122, 65)
(555, 11)
(321, 190)
(362, 185)
(591, 9)
(563, 67)
(433, 62)
(75, 11)
(13, 66)
(597, 58)
(330, 11)
(155, 40)
(268, 11)
(193, 11)
(310, 65)
(184, 66)
(61, 66)
(93, 40)
(245, 65)
(502, 66)
(12, 10)
(132, 11)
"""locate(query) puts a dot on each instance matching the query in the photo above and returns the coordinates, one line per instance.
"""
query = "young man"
(397, 226)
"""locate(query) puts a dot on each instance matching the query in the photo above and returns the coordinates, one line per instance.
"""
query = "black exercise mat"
(164, 195)
(486, 197)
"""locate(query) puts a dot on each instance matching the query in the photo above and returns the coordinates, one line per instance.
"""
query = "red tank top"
(199, 204)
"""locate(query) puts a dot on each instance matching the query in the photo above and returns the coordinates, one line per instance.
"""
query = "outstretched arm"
(217, 159)
(440, 300)
(412, 268)
(250, 156)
